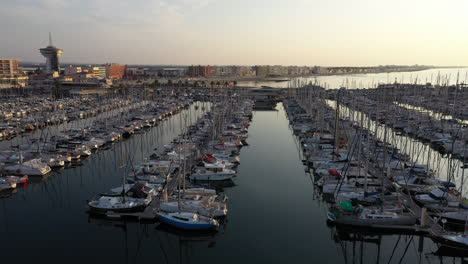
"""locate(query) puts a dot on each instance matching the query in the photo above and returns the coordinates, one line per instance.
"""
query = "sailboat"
(346, 214)
(106, 203)
(133, 198)
(206, 208)
(188, 221)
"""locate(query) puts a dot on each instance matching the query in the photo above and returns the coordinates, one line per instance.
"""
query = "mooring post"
(423, 219)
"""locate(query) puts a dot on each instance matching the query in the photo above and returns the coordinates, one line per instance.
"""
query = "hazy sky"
(248, 32)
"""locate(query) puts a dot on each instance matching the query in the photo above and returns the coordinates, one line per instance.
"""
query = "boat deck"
(150, 212)
(431, 226)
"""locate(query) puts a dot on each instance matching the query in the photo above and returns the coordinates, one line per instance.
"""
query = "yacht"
(216, 172)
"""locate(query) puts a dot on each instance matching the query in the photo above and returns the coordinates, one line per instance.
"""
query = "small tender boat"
(188, 221)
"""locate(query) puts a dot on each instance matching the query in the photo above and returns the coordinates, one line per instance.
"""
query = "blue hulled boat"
(188, 221)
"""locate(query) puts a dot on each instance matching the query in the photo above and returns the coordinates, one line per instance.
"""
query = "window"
(181, 218)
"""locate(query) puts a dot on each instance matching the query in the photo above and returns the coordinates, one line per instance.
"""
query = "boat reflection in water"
(275, 214)
(160, 241)
(189, 235)
(360, 246)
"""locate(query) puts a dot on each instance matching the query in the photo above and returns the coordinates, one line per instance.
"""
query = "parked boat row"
(219, 137)
(445, 134)
(37, 157)
(445, 101)
(181, 176)
(33, 113)
(367, 181)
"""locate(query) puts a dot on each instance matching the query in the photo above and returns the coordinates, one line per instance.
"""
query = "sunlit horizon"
(189, 32)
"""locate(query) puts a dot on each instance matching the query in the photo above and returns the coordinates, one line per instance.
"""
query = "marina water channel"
(275, 215)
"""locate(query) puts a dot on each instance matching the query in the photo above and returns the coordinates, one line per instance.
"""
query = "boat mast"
(385, 164)
(337, 117)
(180, 167)
(368, 151)
(463, 167)
(123, 183)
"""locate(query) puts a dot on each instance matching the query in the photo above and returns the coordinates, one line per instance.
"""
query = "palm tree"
(125, 89)
(203, 84)
(186, 83)
(195, 84)
(14, 82)
(179, 83)
(234, 83)
(169, 82)
(156, 83)
(119, 88)
(56, 91)
(212, 83)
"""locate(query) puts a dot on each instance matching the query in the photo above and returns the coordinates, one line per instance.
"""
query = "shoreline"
(289, 78)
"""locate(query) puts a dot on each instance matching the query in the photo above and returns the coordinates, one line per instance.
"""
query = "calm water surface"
(353, 81)
(275, 214)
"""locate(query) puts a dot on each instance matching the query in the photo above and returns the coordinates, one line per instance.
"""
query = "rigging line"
(345, 168)
(394, 249)
(406, 249)
(140, 238)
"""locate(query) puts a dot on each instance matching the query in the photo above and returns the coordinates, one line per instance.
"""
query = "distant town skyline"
(243, 32)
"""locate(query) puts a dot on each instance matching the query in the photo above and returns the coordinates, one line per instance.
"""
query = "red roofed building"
(115, 71)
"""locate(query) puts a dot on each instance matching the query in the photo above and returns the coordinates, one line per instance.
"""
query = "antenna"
(50, 39)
